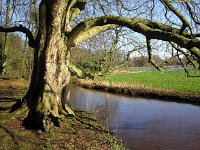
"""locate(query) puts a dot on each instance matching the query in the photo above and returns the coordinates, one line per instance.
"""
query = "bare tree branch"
(150, 54)
(134, 50)
(178, 14)
(20, 28)
(185, 54)
(143, 26)
(192, 14)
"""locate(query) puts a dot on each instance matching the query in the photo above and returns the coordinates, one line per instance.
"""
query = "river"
(141, 123)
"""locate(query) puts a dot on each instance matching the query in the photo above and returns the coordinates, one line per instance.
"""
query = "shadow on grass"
(7, 103)
(11, 134)
(4, 108)
(8, 99)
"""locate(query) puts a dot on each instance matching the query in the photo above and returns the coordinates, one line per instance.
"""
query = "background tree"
(23, 55)
(4, 49)
(57, 34)
(1, 53)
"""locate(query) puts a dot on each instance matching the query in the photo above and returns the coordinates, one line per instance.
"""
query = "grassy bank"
(84, 133)
(175, 81)
(172, 85)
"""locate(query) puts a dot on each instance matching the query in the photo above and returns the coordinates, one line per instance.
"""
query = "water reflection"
(141, 123)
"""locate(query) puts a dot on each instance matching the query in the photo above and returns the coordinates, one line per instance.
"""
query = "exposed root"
(19, 110)
(39, 120)
(69, 110)
(16, 106)
(90, 122)
(22, 112)
(96, 126)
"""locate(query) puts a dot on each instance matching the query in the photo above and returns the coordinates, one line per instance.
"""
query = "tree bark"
(5, 47)
(50, 74)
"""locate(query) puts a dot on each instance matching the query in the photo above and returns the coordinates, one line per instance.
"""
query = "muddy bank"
(142, 91)
(71, 135)
(83, 133)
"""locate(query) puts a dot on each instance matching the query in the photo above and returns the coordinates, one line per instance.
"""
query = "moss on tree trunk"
(50, 73)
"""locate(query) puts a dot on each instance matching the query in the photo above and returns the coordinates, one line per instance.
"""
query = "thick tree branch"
(80, 4)
(77, 8)
(73, 10)
(80, 37)
(20, 28)
(143, 26)
(166, 28)
(150, 29)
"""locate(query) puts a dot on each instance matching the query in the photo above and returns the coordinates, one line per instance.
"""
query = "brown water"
(143, 124)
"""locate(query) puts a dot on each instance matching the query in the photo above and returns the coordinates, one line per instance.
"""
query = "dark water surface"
(143, 124)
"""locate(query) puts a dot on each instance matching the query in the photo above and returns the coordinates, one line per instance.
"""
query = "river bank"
(73, 133)
(138, 90)
(143, 123)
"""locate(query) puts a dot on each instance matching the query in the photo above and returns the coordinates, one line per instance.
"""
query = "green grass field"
(170, 80)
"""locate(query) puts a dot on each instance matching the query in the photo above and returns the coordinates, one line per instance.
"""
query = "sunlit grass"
(169, 80)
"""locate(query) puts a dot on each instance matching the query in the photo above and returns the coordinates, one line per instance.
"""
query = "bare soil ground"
(72, 135)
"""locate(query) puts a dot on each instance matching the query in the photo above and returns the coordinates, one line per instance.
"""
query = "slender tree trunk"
(1, 54)
(1, 41)
(50, 72)
(1, 8)
(5, 49)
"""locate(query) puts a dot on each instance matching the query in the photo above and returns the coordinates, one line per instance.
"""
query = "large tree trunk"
(50, 72)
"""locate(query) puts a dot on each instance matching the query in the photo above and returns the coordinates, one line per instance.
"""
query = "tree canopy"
(176, 22)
